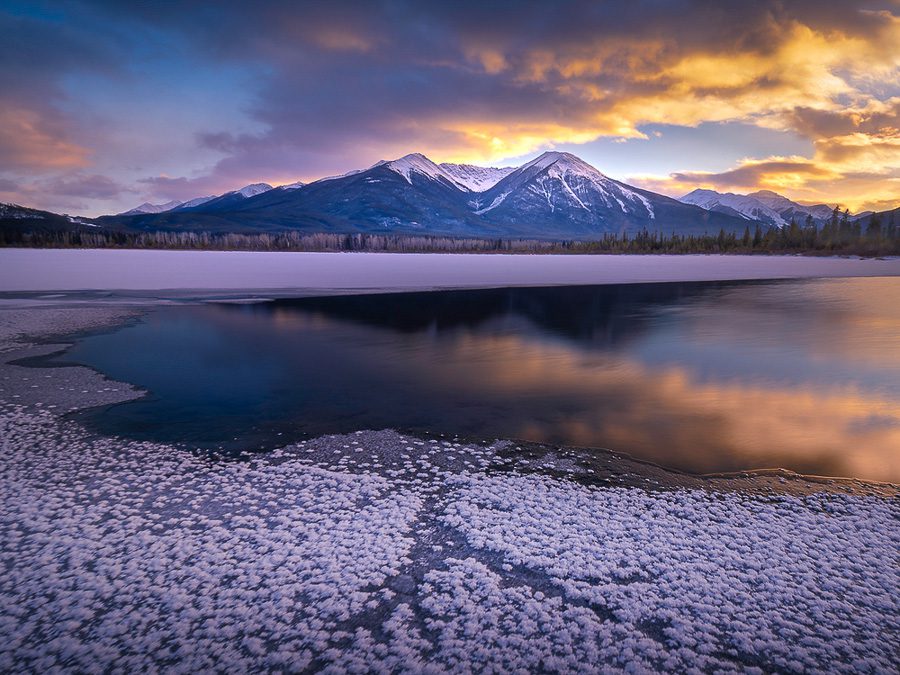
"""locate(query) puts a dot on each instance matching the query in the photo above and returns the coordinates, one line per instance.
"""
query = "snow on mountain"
(784, 205)
(293, 186)
(252, 190)
(18, 212)
(556, 195)
(197, 201)
(559, 180)
(475, 178)
(745, 206)
(418, 163)
(343, 175)
(147, 207)
(764, 205)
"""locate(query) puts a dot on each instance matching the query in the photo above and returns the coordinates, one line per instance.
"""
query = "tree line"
(840, 235)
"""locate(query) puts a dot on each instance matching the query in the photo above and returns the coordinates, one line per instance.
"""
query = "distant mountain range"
(557, 196)
(233, 197)
(763, 206)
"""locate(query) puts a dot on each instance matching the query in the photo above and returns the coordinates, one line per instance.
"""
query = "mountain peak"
(253, 189)
(565, 162)
(415, 162)
(147, 207)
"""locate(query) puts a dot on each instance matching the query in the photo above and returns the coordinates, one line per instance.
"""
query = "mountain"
(791, 209)
(765, 206)
(252, 190)
(475, 178)
(556, 196)
(147, 207)
(411, 194)
(742, 206)
(227, 200)
(197, 201)
(560, 193)
(21, 219)
(244, 193)
(889, 219)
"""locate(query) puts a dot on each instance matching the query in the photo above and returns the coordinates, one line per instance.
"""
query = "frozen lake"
(145, 270)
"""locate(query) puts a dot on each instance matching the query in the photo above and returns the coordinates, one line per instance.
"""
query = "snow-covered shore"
(148, 270)
(378, 552)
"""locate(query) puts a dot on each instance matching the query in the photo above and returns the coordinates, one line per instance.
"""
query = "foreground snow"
(378, 552)
(110, 270)
(389, 553)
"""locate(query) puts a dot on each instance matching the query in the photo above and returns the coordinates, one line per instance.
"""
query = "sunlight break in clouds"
(286, 92)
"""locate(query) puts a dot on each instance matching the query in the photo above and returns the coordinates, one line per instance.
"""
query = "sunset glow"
(104, 105)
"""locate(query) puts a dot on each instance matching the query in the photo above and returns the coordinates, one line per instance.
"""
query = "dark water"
(699, 376)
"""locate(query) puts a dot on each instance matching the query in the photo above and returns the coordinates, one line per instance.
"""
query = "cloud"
(91, 186)
(755, 172)
(31, 140)
(341, 86)
(180, 188)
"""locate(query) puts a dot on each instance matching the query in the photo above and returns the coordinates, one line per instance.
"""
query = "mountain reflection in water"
(699, 376)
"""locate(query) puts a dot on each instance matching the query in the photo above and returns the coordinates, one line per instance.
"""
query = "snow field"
(376, 552)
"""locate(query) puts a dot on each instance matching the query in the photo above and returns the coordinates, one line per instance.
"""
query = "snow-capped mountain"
(555, 196)
(788, 208)
(415, 162)
(227, 200)
(765, 206)
(252, 190)
(743, 206)
(293, 186)
(475, 178)
(147, 207)
(244, 193)
(197, 201)
(559, 192)
(560, 181)
(467, 177)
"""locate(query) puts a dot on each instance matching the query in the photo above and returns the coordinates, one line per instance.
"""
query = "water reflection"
(703, 377)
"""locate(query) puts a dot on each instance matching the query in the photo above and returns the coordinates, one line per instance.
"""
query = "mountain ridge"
(556, 196)
(765, 206)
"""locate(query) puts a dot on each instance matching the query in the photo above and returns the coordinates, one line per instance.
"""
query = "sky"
(104, 105)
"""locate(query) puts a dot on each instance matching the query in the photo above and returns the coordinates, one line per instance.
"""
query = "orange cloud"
(28, 141)
(821, 84)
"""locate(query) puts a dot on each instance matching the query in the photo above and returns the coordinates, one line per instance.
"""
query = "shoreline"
(378, 550)
(163, 272)
(64, 329)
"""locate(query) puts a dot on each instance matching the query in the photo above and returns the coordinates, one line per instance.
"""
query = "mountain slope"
(411, 194)
(147, 207)
(790, 209)
(770, 208)
(20, 219)
(556, 196)
(228, 200)
(475, 178)
(742, 206)
(559, 194)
